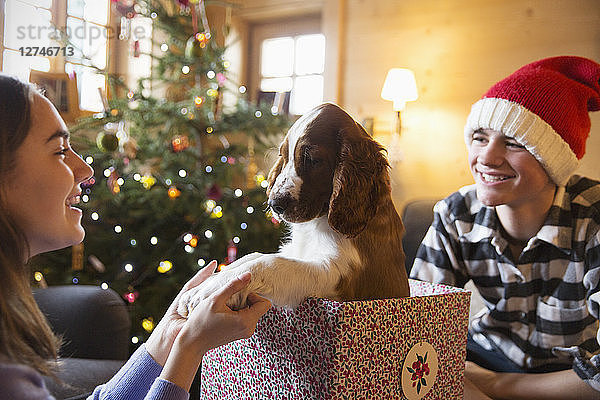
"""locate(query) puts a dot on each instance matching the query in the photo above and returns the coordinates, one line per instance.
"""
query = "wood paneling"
(457, 49)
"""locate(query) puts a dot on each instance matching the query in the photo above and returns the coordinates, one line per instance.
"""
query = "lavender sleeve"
(21, 382)
(138, 379)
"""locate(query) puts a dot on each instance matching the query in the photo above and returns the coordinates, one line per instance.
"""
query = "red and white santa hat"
(544, 106)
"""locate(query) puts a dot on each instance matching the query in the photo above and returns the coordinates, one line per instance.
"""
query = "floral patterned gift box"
(408, 348)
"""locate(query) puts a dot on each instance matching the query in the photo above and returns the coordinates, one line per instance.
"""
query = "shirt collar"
(553, 231)
(487, 226)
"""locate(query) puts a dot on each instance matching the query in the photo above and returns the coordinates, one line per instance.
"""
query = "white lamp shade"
(400, 86)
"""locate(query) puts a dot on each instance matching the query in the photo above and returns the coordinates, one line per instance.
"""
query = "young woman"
(528, 234)
(40, 178)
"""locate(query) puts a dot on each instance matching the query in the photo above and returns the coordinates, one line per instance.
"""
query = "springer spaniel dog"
(331, 185)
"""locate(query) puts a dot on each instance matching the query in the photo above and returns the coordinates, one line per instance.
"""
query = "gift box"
(408, 348)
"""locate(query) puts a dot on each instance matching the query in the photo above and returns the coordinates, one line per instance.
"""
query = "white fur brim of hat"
(528, 129)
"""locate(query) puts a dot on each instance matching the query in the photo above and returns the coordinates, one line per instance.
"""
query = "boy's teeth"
(493, 178)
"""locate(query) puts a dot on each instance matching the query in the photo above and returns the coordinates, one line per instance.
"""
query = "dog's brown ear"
(273, 173)
(360, 180)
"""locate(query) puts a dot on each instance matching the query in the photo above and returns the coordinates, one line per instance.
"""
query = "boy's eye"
(479, 138)
(515, 145)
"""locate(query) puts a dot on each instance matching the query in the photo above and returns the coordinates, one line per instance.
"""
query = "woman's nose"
(81, 170)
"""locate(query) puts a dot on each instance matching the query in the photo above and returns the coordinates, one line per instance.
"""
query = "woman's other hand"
(180, 343)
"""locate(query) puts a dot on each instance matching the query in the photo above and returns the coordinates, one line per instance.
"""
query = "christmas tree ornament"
(195, 45)
(148, 324)
(217, 212)
(214, 192)
(131, 296)
(125, 8)
(77, 257)
(96, 264)
(121, 132)
(210, 205)
(180, 143)
(231, 252)
(221, 79)
(107, 141)
(113, 182)
(130, 148)
(173, 192)
(147, 181)
(39, 278)
(164, 266)
(136, 49)
(198, 41)
(89, 183)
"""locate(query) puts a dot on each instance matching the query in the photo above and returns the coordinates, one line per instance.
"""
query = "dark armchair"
(95, 327)
(417, 216)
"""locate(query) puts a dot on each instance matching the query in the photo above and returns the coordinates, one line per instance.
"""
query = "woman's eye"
(63, 151)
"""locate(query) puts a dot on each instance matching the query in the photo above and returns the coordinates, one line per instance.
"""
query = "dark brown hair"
(25, 336)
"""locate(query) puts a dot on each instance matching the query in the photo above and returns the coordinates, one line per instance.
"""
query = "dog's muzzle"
(280, 204)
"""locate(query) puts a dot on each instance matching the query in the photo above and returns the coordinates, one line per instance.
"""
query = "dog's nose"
(279, 204)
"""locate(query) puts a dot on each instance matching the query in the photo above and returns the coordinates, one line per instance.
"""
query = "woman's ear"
(359, 181)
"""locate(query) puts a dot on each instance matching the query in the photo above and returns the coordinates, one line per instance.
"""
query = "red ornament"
(131, 296)
(231, 252)
(112, 182)
(136, 49)
(180, 143)
(125, 7)
(89, 183)
(214, 192)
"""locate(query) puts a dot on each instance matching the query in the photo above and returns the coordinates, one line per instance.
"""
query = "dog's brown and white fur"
(331, 184)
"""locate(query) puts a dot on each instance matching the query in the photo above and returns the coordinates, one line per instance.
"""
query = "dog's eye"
(310, 161)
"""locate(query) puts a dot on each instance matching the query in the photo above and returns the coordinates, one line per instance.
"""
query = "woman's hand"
(161, 340)
(211, 324)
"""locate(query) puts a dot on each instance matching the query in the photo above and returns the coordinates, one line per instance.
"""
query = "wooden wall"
(457, 49)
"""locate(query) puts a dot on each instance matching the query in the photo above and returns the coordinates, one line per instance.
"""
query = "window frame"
(59, 17)
(260, 31)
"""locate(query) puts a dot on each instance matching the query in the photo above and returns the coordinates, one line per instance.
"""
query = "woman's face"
(44, 186)
(505, 172)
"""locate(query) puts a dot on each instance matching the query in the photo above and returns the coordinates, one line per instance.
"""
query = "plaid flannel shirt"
(542, 309)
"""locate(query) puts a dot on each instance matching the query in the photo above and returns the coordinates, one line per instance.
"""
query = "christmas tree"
(176, 180)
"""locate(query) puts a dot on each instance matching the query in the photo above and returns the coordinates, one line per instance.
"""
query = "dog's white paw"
(190, 299)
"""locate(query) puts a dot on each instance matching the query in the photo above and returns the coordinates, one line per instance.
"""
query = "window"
(87, 28)
(26, 24)
(35, 23)
(294, 64)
